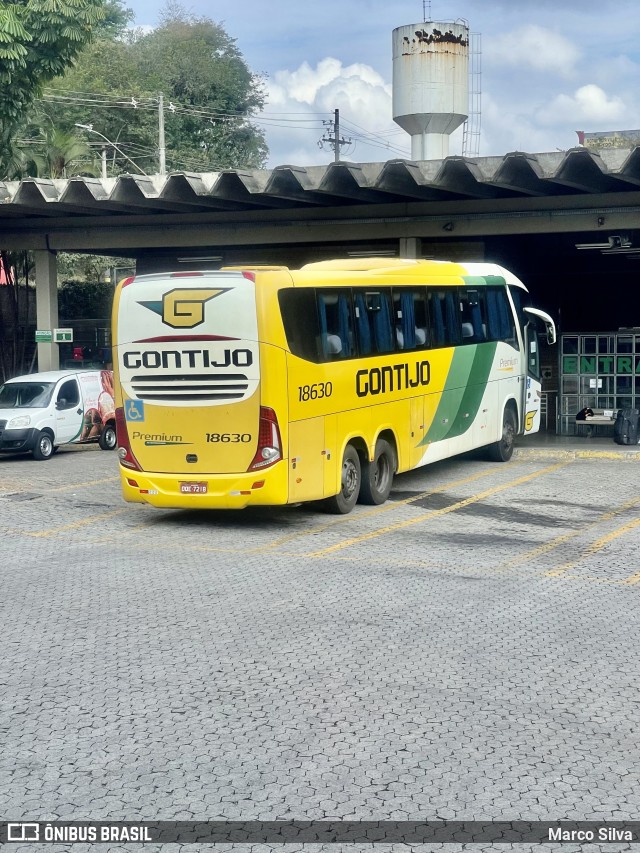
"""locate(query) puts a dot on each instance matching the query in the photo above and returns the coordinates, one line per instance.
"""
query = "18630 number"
(229, 437)
(314, 392)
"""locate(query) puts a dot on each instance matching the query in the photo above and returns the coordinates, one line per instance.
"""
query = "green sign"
(44, 336)
(601, 364)
(63, 336)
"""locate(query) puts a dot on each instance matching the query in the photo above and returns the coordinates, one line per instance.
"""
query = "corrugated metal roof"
(514, 175)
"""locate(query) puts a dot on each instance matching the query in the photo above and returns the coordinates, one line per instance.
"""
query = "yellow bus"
(269, 385)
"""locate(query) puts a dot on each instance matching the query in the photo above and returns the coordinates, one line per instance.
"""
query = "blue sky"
(549, 68)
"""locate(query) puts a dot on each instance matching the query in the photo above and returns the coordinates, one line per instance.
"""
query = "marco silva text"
(602, 833)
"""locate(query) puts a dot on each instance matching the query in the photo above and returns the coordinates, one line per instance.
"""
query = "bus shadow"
(259, 518)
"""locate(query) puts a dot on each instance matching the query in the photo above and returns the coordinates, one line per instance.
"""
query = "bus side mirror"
(550, 326)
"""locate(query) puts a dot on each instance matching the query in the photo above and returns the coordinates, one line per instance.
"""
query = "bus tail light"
(125, 453)
(269, 445)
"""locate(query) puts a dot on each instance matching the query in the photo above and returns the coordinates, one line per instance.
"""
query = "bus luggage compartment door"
(307, 459)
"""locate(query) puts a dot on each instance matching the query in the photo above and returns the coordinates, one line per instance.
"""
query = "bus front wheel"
(502, 450)
(350, 481)
(377, 476)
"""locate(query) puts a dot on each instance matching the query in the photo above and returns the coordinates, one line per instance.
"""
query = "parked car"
(42, 411)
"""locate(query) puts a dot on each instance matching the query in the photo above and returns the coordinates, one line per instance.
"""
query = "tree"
(61, 154)
(13, 158)
(38, 40)
(209, 92)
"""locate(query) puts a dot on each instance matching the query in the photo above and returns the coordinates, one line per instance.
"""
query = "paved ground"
(469, 650)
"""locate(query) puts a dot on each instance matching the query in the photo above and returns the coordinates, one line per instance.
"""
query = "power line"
(283, 120)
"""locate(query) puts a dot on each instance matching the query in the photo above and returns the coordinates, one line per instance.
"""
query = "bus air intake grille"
(200, 388)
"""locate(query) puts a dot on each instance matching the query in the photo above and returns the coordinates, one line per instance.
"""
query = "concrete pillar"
(430, 146)
(47, 307)
(410, 247)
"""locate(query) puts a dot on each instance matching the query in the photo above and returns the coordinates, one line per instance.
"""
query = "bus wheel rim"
(349, 478)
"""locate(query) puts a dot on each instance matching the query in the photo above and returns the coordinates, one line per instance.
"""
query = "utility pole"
(162, 151)
(334, 139)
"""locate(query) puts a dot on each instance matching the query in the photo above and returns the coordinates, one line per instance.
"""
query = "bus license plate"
(193, 488)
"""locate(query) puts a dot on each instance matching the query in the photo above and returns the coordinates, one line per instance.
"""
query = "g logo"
(182, 308)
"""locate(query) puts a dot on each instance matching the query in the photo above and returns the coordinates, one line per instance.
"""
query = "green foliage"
(13, 158)
(38, 40)
(81, 300)
(200, 71)
(115, 22)
(60, 154)
(76, 267)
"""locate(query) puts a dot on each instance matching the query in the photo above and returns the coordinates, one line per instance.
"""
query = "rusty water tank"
(430, 84)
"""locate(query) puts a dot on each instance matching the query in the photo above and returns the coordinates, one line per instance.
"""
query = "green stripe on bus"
(474, 389)
(483, 280)
(463, 391)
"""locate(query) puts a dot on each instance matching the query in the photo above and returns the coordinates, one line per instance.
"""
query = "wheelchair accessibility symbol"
(134, 410)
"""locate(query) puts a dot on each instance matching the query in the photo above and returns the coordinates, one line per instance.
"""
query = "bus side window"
(499, 317)
(336, 324)
(301, 323)
(410, 319)
(445, 318)
(363, 328)
(437, 318)
(473, 316)
(378, 308)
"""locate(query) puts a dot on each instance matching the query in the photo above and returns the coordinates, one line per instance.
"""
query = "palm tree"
(60, 154)
(13, 160)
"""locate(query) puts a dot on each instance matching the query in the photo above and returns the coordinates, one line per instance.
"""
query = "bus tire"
(43, 448)
(350, 481)
(377, 476)
(108, 440)
(502, 450)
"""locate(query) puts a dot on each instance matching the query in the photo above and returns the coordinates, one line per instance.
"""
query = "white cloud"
(589, 103)
(534, 47)
(303, 98)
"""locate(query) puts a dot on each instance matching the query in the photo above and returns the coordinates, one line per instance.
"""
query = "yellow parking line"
(599, 543)
(565, 537)
(73, 526)
(70, 486)
(387, 507)
(613, 535)
(392, 528)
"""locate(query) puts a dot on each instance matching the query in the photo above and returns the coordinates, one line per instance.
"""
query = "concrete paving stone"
(480, 651)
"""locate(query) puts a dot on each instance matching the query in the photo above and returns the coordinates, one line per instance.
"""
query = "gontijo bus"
(273, 385)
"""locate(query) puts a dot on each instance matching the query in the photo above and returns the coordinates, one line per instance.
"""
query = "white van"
(41, 411)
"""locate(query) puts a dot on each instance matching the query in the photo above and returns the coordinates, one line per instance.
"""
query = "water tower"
(430, 84)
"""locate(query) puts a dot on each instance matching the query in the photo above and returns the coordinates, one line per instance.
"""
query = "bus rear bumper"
(208, 491)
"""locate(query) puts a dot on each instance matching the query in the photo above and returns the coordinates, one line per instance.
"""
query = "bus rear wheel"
(377, 476)
(502, 450)
(350, 482)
